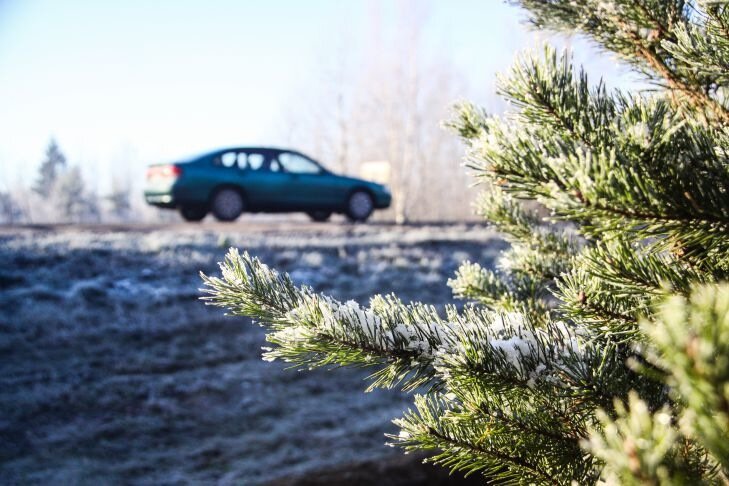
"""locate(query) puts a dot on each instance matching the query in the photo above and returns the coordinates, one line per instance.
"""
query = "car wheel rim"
(228, 204)
(360, 205)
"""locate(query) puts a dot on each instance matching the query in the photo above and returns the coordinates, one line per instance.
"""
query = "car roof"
(254, 148)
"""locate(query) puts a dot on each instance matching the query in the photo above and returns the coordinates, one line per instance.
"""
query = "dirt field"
(113, 371)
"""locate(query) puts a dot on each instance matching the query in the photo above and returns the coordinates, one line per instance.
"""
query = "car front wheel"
(193, 213)
(227, 205)
(360, 206)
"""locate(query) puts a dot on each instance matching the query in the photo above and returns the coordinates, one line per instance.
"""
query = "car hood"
(363, 182)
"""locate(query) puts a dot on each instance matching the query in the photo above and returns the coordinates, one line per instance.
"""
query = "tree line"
(61, 194)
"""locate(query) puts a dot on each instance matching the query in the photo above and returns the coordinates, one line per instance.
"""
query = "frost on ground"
(112, 370)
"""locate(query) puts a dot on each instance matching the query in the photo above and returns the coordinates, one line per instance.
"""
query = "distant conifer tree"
(71, 200)
(599, 348)
(50, 169)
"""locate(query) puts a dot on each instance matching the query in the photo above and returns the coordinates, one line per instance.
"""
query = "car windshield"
(298, 164)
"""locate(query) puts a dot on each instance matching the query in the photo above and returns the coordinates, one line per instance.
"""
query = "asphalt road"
(245, 224)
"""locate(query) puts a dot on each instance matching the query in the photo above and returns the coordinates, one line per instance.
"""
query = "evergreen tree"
(71, 199)
(599, 350)
(50, 169)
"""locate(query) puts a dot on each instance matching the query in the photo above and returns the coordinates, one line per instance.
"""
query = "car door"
(264, 181)
(309, 186)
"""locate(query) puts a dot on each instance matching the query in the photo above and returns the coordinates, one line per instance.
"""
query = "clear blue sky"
(147, 81)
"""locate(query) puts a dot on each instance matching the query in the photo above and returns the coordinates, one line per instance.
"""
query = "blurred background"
(111, 369)
(103, 89)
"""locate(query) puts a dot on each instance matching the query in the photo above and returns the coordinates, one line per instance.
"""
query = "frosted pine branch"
(311, 330)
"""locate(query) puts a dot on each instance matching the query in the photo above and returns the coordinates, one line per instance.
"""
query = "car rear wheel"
(320, 216)
(193, 213)
(227, 204)
(360, 206)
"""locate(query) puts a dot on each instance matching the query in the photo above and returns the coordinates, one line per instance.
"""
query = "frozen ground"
(111, 370)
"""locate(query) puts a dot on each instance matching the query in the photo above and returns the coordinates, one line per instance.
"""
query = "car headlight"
(386, 190)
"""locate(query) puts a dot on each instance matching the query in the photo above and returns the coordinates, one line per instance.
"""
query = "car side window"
(298, 164)
(242, 160)
(255, 161)
(228, 159)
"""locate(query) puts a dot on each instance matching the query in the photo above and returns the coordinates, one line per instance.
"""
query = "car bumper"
(383, 200)
(162, 200)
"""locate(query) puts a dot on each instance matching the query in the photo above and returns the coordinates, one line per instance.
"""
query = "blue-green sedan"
(229, 182)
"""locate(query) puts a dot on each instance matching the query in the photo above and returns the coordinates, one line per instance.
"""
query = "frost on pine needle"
(410, 344)
(640, 133)
(311, 330)
(510, 350)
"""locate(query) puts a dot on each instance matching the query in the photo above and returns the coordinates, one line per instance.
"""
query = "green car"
(254, 179)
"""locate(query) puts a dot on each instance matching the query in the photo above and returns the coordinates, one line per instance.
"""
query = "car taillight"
(164, 172)
(171, 171)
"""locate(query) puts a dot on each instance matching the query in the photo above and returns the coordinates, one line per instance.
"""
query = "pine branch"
(534, 366)
(704, 50)
(633, 270)
(466, 447)
(595, 303)
(539, 253)
(509, 352)
(550, 95)
(484, 287)
(691, 339)
(637, 30)
(481, 285)
(312, 331)
(640, 447)
(614, 284)
(410, 344)
(467, 120)
(538, 256)
(639, 176)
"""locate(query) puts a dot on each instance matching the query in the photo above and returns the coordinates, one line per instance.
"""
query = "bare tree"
(388, 107)
(10, 211)
(118, 201)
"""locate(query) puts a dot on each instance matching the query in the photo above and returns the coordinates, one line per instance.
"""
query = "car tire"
(193, 213)
(319, 216)
(227, 204)
(359, 206)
